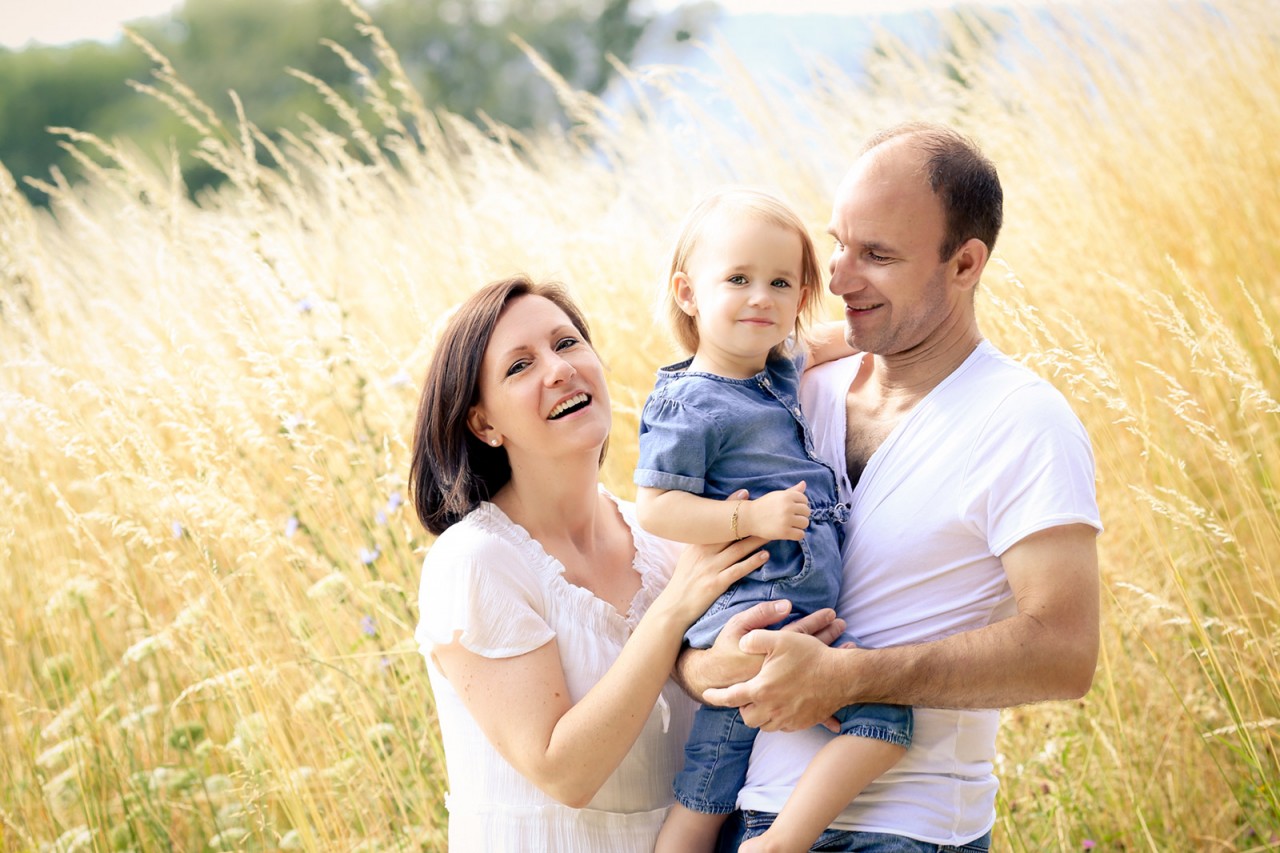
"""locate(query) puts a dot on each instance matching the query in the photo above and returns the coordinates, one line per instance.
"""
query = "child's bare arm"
(685, 517)
(826, 342)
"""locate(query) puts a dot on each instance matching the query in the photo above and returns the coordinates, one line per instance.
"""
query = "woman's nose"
(558, 370)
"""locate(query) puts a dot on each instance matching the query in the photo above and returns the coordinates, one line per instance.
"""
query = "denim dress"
(711, 436)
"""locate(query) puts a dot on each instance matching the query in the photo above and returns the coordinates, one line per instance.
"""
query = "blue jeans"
(719, 748)
(749, 824)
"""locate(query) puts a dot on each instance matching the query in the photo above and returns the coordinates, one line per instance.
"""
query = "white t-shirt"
(487, 578)
(990, 456)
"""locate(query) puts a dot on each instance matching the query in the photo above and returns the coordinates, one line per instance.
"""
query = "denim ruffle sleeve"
(678, 443)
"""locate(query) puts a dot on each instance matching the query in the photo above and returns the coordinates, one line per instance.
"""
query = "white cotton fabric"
(990, 456)
(486, 578)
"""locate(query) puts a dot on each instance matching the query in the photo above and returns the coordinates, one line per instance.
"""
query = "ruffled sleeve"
(478, 584)
(677, 445)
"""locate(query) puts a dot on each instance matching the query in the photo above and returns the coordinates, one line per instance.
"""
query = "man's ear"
(682, 290)
(481, 428)
(968, 262)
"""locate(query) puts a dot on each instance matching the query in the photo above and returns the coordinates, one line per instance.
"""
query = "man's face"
(888, 226)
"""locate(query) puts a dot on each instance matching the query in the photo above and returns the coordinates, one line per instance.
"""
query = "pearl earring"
(494, 442)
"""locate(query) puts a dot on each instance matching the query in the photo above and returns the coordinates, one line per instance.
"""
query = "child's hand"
(782, 514)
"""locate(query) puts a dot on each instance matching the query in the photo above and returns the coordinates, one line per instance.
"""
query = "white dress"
(487, 578)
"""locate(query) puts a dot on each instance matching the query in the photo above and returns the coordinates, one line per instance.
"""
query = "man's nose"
(844, 277)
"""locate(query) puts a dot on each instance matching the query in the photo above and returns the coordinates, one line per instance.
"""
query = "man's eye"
(877, 258)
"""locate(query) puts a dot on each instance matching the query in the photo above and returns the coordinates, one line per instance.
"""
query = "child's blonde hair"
(748, 202)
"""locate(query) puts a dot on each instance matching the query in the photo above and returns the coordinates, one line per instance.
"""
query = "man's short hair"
(962, 177)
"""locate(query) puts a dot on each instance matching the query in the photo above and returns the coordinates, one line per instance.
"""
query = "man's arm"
(1048, 650)
(826, 342)
(697, 670)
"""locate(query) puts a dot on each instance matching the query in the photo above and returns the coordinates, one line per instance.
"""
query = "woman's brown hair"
(451, 470)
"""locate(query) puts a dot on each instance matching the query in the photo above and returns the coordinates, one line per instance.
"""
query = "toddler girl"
(744, 273)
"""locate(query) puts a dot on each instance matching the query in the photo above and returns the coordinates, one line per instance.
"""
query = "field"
(208, 573)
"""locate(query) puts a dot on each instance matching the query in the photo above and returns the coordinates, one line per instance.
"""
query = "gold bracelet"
(733, 522)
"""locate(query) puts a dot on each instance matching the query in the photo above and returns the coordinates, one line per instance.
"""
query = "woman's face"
(542, 387)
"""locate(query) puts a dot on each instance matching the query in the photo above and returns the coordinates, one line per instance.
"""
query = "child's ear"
(682, 290)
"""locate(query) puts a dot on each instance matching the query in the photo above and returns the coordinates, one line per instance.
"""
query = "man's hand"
(797, 685)
(727, 663)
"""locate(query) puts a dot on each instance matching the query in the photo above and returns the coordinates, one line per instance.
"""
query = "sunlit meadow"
(208, 570)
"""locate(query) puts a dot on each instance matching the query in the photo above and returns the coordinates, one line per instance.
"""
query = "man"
(970, 563)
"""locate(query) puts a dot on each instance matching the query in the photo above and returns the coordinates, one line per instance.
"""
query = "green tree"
(460, 56)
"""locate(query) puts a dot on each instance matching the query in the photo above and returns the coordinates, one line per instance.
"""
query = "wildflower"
(319, 696)
(146, 647)
(1089, 844)
(171, 779)
(176, 528)
(334, 586)
(368, 627)
(186, 736)
(121, 836)
(137, 718)
(305, 305)
(229, 839)
(394, 502)
(217, 785)
(367, 556)
(72, 595)
(74, 839)
(292, 421)
(343, 771)
(58, 669)
(300, 776)
(380, 517)
(291, 526)
(54, 755)
(251, 729)
(400, 379)
(382, 737)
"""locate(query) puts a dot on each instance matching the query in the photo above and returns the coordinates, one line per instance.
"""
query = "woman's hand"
(703, 572)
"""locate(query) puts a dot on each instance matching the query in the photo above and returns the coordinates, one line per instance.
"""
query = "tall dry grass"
(209, 574)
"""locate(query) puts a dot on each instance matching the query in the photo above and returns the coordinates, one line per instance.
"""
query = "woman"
(549, 619)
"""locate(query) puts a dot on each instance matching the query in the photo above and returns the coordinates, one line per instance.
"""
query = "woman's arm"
(522, 703)
(685, 517)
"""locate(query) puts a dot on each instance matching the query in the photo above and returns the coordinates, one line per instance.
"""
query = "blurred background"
(229, 237)
(67, 64)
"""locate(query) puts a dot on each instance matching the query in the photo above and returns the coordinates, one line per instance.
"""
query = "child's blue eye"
(737, 279)
(780, 282)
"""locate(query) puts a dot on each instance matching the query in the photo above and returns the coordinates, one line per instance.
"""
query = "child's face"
(742, 287)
